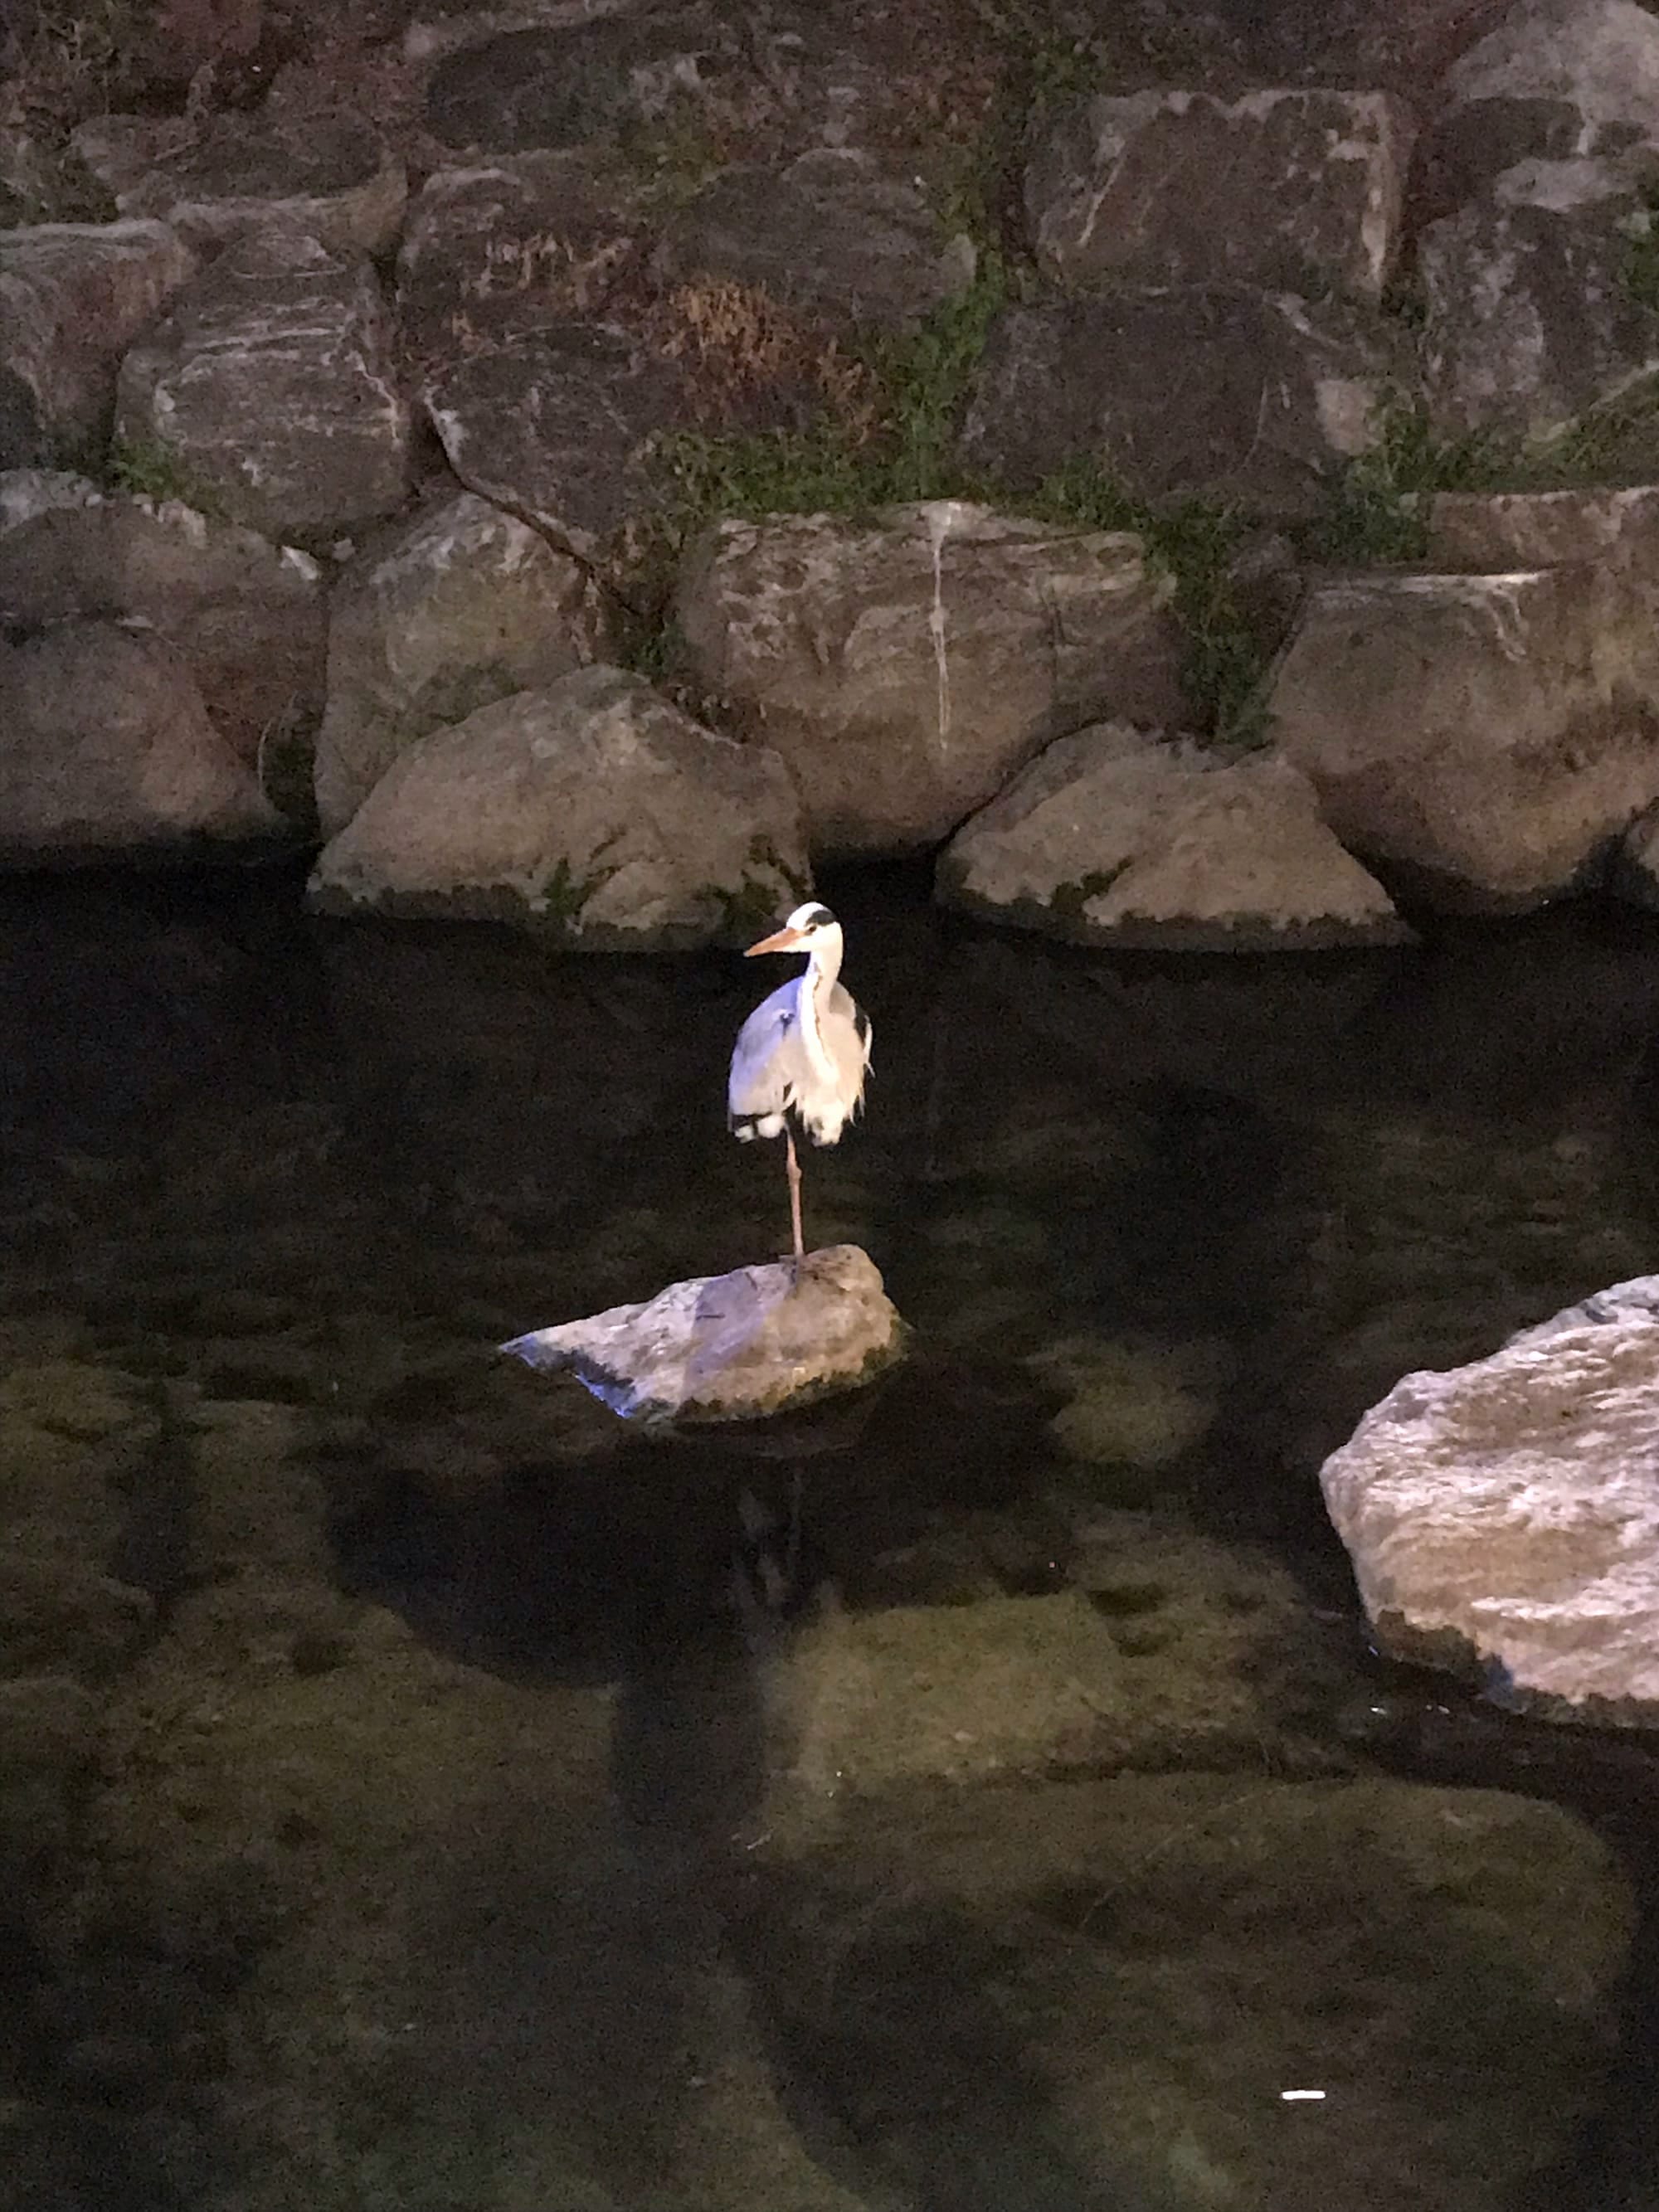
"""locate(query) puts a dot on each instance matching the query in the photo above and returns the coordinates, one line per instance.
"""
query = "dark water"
(454, 1838)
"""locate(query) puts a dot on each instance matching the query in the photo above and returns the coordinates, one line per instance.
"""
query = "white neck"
(823, 961)
(817, 979)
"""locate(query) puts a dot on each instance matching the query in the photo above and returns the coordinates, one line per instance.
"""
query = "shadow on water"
(1334, 1170)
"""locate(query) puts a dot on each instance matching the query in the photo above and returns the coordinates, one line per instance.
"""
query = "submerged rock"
(1441, 1965)
(1501, 1516)
(733, 1347)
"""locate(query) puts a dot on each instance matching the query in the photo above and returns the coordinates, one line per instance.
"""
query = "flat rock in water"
(1113, 837)
(735, 1347)
(1501, 1516)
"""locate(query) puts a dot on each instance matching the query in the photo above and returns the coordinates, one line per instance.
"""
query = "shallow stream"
(997, 1813)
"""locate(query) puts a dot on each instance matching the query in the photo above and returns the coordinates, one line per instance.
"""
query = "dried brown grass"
(743, 355)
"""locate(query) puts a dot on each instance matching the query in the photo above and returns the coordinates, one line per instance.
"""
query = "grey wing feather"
(763, 1081)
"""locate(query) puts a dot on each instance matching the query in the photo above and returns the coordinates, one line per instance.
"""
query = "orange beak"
(780, 940)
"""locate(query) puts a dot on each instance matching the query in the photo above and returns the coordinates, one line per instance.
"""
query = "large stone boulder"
(1503, 1518)
(1550, 80)
(489, 251)
(744, 1347)
(331, 176)
(1488, 737)
(1116, 837)
(1531, 317)
(105, 747)
(591, 812)
(1295, 190)
(1217, 391)
(558, 427)
(1490, 531)
(73, 298)
(271, 387)
(906, 665)
(461, 606)
(248, 618)
(830, 235)
(521, 87)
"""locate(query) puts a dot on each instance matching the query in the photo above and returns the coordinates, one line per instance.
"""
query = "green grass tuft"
(1194, 542)
(146, 469)
(1378, 510)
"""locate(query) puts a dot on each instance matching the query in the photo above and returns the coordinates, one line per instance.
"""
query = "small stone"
(737, 1347)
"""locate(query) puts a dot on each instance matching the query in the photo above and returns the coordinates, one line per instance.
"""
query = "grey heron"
(801, 1057)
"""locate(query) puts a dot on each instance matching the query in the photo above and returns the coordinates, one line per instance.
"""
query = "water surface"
(998, 1810)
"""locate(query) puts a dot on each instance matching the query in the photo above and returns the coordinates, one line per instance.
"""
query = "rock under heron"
(736, 1347)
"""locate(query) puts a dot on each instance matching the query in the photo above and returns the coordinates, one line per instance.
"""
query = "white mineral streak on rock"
(940, 514)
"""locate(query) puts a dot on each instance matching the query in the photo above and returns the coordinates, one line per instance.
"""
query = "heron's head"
(809, 926)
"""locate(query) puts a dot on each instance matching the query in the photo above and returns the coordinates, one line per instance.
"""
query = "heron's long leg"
(794, 1194)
